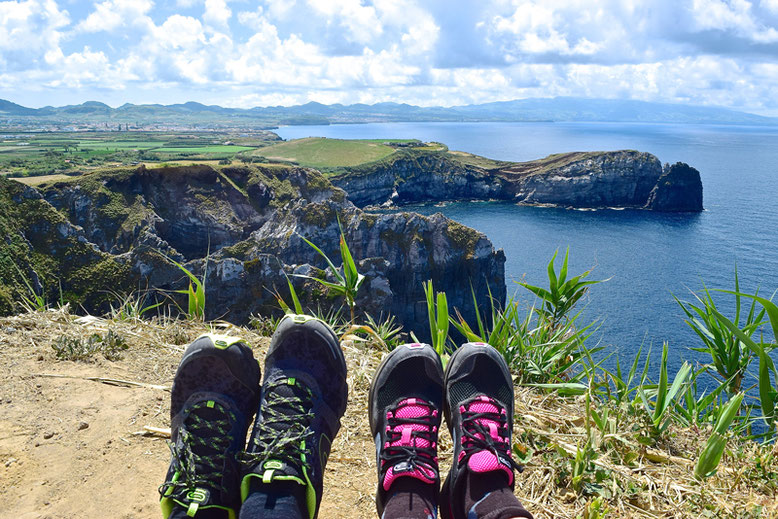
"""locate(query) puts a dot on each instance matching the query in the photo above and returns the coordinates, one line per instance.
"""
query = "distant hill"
(193, 114)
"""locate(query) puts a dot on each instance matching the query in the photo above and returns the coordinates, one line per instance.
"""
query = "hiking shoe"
(303, 398)
(479, 414)
(405, 400)
(215, 393)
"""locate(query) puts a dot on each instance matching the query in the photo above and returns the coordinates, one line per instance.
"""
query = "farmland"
(32, 154)
(27, 154)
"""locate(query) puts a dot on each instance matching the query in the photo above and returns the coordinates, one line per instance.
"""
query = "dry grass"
(635, 480)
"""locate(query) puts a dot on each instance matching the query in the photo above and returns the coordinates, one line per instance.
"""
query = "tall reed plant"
(438, 315)
(347, 277)
(195, 292)
(729, 355)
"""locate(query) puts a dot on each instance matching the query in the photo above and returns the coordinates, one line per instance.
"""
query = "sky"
(242, 53)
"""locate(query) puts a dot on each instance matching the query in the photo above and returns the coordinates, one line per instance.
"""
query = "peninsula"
(394, 173)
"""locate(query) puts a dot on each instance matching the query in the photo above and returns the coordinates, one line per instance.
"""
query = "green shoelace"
(204, 440)
(285, 426)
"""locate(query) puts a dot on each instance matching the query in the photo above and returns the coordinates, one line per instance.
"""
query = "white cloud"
(112, 14)
(28, 31)
(737, 16)
(217, 13)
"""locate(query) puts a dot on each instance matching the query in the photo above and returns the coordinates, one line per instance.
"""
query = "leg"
(215, 393)
(303, 398)
(479, 413)
(405, 401)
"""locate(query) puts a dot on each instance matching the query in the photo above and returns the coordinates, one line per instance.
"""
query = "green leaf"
(769, 306)
(335, 271)
(564, 388)
(552, 279)
(298, 308)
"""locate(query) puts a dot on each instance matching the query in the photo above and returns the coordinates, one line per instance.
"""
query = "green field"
(331, 154)
(32, 154)
(204, 149)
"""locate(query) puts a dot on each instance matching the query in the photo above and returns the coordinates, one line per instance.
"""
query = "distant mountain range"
(192, 114)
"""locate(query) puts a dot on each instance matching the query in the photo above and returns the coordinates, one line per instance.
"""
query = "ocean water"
(646, 257)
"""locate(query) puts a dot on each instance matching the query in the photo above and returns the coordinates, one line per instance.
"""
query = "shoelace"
(479, 435)
(204, 440)
(285, 424)
(409, 453)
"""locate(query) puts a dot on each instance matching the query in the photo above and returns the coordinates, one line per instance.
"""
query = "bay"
(646, 256)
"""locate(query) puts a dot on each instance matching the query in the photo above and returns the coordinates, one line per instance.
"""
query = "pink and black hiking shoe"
(479, 414)
(406, 397)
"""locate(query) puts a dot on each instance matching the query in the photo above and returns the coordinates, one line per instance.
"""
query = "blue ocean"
(646, 257)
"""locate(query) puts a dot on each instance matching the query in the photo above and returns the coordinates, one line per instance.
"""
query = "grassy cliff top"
(331, 155)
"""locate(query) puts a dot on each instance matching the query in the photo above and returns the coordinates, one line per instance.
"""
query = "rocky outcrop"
(419, 176)
(578, 180)
(679, 189)
(243, 228)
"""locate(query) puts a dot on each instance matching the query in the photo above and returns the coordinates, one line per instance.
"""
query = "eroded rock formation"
(579, 180)
(245, 226)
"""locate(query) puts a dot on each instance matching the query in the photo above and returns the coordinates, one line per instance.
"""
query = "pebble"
(10, 462)
(48, 435)
(82, 426)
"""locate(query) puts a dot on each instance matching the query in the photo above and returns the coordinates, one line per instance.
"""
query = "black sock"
(488, 496)
(280, 500)
(410, 498)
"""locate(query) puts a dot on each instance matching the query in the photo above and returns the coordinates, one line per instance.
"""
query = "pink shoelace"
(411, 445)
(485, 437)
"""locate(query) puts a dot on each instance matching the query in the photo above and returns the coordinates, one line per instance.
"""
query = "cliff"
(245, 226)
(580, 180)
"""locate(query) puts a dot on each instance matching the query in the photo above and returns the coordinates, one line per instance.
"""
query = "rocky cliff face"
(245, 227)
(580, 180)
(420, 177)
(43, 251)
(679, 189)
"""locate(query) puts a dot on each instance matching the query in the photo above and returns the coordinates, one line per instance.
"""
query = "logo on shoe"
(198, 495)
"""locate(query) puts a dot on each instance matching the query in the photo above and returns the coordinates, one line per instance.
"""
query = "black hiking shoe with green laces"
(303, 398)
(215, 393)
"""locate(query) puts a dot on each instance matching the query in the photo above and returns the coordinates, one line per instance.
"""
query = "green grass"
(476, 160)
(216, 148)
(321, 153)
(33, 154)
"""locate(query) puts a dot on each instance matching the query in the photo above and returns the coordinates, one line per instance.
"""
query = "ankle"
(278, 500)
(410, 498)
(488, 496)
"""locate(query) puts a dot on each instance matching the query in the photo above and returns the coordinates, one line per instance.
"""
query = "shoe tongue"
(285, 400)
(410, 408)
(272, 470)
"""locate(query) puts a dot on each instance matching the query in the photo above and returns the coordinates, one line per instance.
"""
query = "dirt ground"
(70, 447)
